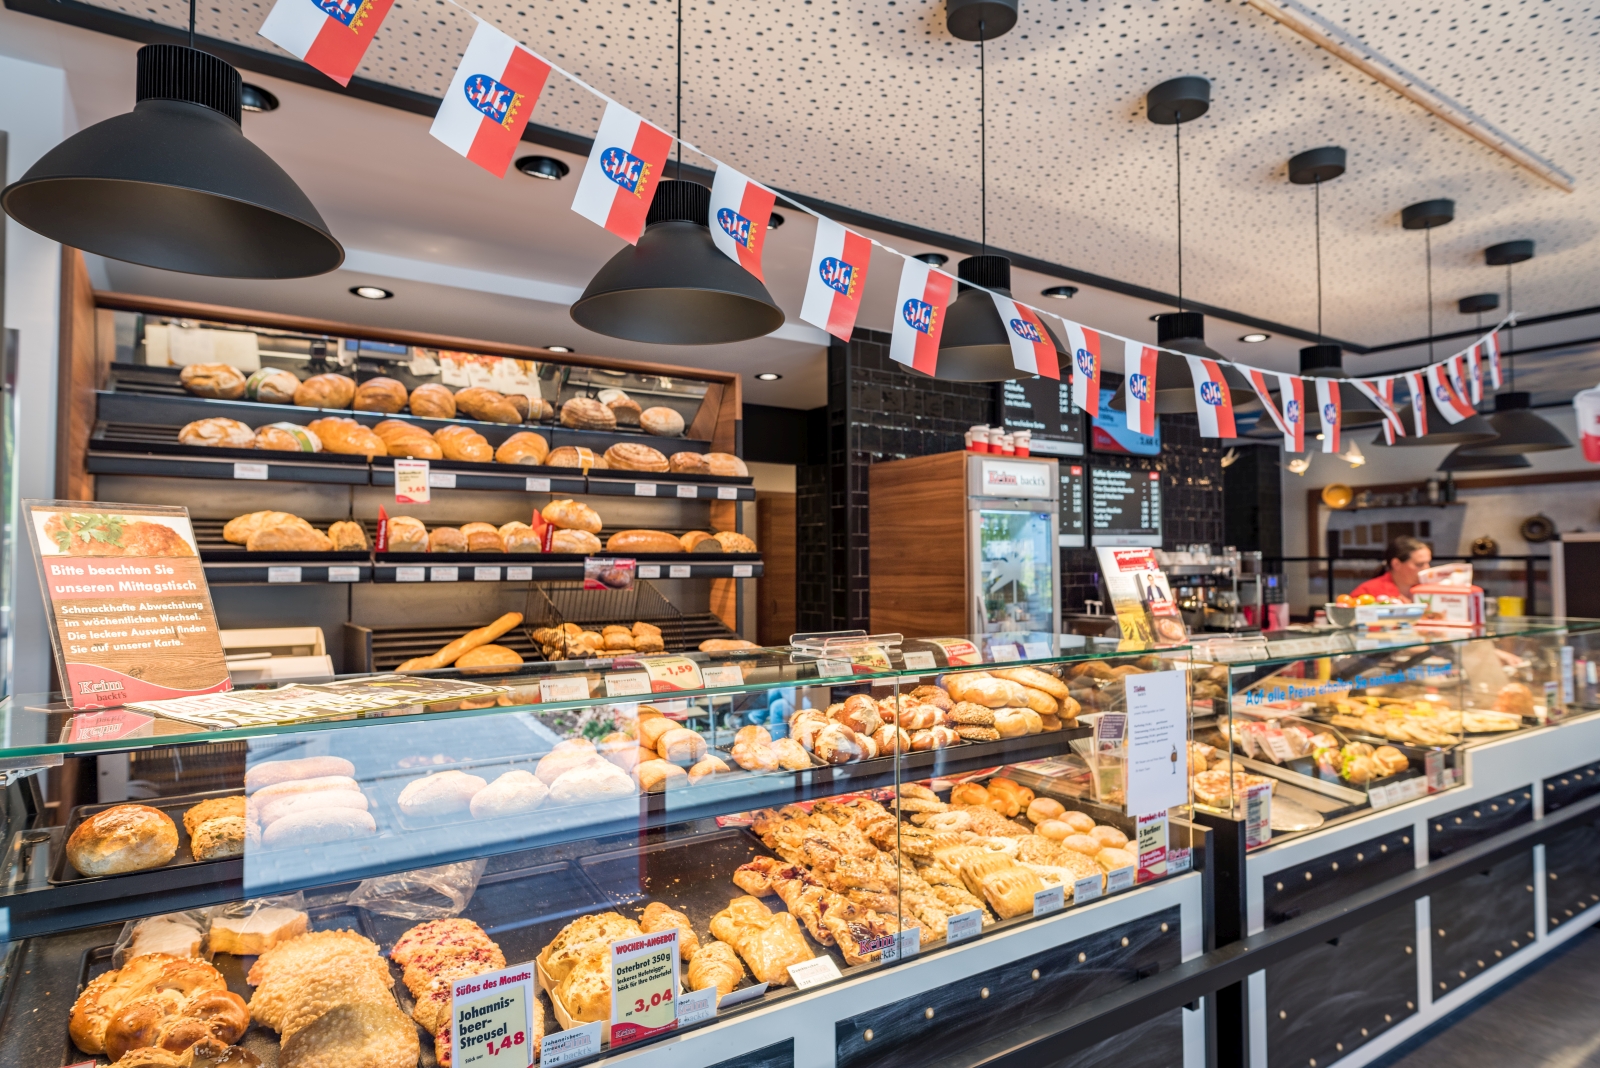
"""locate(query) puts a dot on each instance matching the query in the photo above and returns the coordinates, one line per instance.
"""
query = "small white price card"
(829, 669)
(444, 574)
(344, 574)
(283, 574)
(519, 574)
(813, 972)
(255, 472)
(1050, 899)
(920, 661)
(689, 491)
(644, 489)
(727, 493)
(904, 945)
(1086, 889)
(486, 574)
(627, 684)
(742, 995)
(1037, 650)
(574, 1044)
(411, 574)
(723, 675)
(493, 1018)
(644, 987)
(649, 571)
(672, 673)
(744, 570)
(700, 1005)
(1004, 652)
(1120, 879)
(411, 482)
(537, 485)
(962, 926)
(677, 570)
(570, 688)
(442, 479)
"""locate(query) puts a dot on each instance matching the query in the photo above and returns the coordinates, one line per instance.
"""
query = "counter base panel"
(1572, 873)
(1480, 921)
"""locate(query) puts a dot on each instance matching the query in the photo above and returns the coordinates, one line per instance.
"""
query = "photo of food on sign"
(67, 533)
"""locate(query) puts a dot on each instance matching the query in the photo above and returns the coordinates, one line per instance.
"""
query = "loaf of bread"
(407, 535)
(688, 463)
(586, 413)
(239, 529)
(312, 785)
(681, 746)
(657, 776)
(380, 395)
(121, 839)
(643, 541)
(276, 808)
(1032, 678)
(347, 536)
(433, 401)
(344, 435)
(442, 794)
(217, 432)
(574, 541)
(289, 538)
(523, 447)
(692, 539)
(521, 538)
(271, 385)
(571, 515)
(623, 407)
(326, 391)
(577, 456)
(487, 405)
(734, 542)
(631, 456)
(488, 657)
(662, 422)
(470, 640)
(984, 689)
(463, 443)
(447, 540)
(217, 380)
(725, 645)
(520, 403)
(287, 437)
(482, 538)
(726, 464)
(318, 827)
(405, 439)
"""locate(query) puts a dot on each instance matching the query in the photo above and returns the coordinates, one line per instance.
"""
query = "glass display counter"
(791, 817)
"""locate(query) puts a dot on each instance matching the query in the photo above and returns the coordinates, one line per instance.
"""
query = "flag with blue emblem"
(1033, 349)
(919, 310)
(1139, 372)
(1419, 403)
(619, 181)
(1084, 347)
(839, 261)
(741, 214)
(1491, 352)
(330, 35)
(1331, 408)
(1451, 404)
(1213, 403)
(1380, 391)
(1288, 412)
(490, 99)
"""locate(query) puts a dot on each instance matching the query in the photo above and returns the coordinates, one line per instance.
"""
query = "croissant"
(716, 964)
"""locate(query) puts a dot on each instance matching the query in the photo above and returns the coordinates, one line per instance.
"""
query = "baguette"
(470, 640)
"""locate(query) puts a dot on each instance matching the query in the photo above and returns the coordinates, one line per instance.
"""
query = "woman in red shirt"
(1406, 557)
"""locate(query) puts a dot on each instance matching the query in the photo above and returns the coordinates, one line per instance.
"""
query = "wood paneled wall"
(776, 599)
(82, 361)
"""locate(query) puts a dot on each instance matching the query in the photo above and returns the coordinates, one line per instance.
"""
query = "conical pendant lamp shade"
(1519, 428)
(1355, 409)
(174, 184)
(1473, 430)
(1186, 332)
(675, 287)
(1460, 459)
(974, 346)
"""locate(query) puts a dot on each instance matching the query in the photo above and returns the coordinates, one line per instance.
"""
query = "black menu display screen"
(1074, 512)
(1124, 507)
(1043, 406)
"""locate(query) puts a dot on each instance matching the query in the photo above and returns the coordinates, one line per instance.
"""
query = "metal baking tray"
(181, 870)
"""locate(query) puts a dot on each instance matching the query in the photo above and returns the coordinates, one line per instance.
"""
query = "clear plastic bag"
(165, 940)
(425, 894)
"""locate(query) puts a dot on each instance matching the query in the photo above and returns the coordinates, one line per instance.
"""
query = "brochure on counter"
(294, 703)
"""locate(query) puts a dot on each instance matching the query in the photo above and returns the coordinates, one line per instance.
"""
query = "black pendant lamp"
(1461, 459)
(975, 345)
(174, 184)
(1473, 430)
(675, 287)
(1519, 428)
(1186, 333)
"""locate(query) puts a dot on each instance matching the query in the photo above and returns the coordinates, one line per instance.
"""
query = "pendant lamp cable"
(191, 23)
(1177, 141)
(678, 132)
(1317, 193)
(1511, 331)
(983, 142)
(1427, 238)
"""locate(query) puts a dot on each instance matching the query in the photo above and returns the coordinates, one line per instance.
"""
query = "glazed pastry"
(220, 381)
(630, 456)
(217, 432)
(487, 405)
(325, 391)
(271, 385)
(523, 447)
(379, 395)
(661, 421)
(433, 401)
(287, 437)
(660, 917)
(769, 942)
(716, 964)
(586, 413)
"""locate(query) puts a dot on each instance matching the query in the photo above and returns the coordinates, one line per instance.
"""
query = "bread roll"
(515, 793)
(572, 753)
(523, 447)
(586, 413)
(662, 422)
(486, 405)
(379, 395)
(658, 776)
(577, 456)
(213, 808)
(727, 465)
(706, 768)
(310, 785)
(521, 538)
(286, 437)
(681, 746)
(1109, 837)
(343, 435)
(572, 515)
(754, 757)
(407, 535)
(597, 780)
(488, 657)
(734, 542)
(289, 537)
(218, 839)
(792, 756)
(642, 541)
(347, 536)
(623, 407)
(121, 839)
(520, 403)
(688, 463)
(278, 807)
(1034, 679)
(1010, 723)
(217, 432)
(1043, 809)
(433, 401)
(984, 689)
(694, 538)
(463, 443)
(1112, 858)
(483, 538)
(838, 744)
(272, 772)
(652, 728)
(271, 385)
(218, 380)
(239, 529)
(442, 794)
(1054, 830)
(574, 541)
(318, 827)
(326, 391)
(447, 540)
(861, 714)
(629, 456)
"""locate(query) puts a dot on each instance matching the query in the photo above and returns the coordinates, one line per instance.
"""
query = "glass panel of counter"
(857, 817)
(1294, 729)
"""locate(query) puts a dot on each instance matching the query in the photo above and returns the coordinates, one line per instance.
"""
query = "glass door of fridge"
(1014, 571)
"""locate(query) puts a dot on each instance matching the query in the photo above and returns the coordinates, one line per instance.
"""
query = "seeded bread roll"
(433, 401)
(380, 395)
(734, 542)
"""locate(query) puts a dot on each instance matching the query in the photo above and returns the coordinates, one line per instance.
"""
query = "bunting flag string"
(919, 315)
(488, 103)
(328, 35)
(1451, 404)
(1330, 408)
(839, 259)
(619, 181)
(1032, 351)
(1085, 346)
(1419, 403)
(1139, 363)
(741, 214)
(1491, 349)
(1213, 403)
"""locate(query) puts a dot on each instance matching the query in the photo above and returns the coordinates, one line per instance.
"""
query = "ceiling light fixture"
(932, 259)
(768, 376)
(371, 292)
(174, 183)
(255, 98)
(774, 221)
(1460, 459)
(546, 167)
(1519, 428)
(1353, 455)
(1424, 216)
(1299, 465)
(1254, 339)
(1506, 255)
(1478, 303)
(1060, 292)
(557, 348)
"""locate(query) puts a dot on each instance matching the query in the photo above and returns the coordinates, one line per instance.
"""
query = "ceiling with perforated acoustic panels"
(871, 104)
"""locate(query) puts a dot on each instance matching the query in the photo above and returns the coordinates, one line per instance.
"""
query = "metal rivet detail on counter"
(867, 1034)
(1124, 942)
(984, 993)
(1036, 970)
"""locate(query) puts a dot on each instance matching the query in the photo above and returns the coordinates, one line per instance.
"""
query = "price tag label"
(627, 684)
(688, 491)
(644, 489)
(1151, 835)
(813, 972)
(536, 485)
(1037, 650)
(1179, 860)
(829, 669)
(519, 574)
(411, 574)
(1120, 879)
(958, 651)
(444, 574)
(569, 688)
(253, 472)
(920, 661)
(1004, 652)
(727, 493)
(1050, 899)
(442, 479)
(742, 995)
(1433, 768)
(677, 570)
(962, 926)
(486, 574)
(649, 571)
(1278, 746)
(283, 574)
(1086, 889)
(1257, 815)
(644, 987)
(903, 945)
(723, 675)
(411, 482)
(700, 1005)
(744, 570)
(672, 673)
(344, 574)
(493, 1018)
(573, 1044)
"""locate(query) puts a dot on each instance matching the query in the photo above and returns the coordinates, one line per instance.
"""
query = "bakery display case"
(321, 862)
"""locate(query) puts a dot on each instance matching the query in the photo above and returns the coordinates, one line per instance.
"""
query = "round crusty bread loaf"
(304, 786)
(269, 772)
(444, 793)
(631, 456)
(661, 421)
(123, 838)
(516, 792)
(319, 826)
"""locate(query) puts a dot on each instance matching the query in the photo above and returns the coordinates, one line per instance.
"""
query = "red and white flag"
(330, 35)
(1461, 380)
(1032, 351)
(1213, 403)
(1085, 349)
(1380, 391)
(620, 178)
(1139, 367)
(1419, 403)
(919, 315)
(741, 213)
(490, 99)
(1330, 408)
(1474, 373)
(1451, 404)
(1491, 351)
(1289, 415)
(839, 260)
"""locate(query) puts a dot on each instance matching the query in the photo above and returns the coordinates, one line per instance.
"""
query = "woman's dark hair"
(1402, 547)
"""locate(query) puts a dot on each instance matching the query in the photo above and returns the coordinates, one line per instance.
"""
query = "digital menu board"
(1043, 406)
(1074, 520)
(1124, 506)
(1109, 432)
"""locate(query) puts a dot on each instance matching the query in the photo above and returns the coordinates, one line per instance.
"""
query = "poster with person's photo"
(1141, 596)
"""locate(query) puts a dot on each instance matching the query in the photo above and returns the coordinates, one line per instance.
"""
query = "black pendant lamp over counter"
(974, 345)
(675, 287)
(174, 183)
(1519, 428)
(1462, 458)
(1473, 430)
(1186, 332)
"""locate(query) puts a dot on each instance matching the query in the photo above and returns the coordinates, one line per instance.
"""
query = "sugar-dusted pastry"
(769, 942)
(716, 964)
(659, 916)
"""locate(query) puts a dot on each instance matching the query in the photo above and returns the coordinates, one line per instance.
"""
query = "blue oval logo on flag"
(918, 315)
(1211, 393)
(1086, 362)
(1291, 411)
(623, 167)
(1026, 331)
(1139, 386)
(344, 11)
(495, 99)
(1330, 413)
(837, 274)
(734, 225)
(1442, 394)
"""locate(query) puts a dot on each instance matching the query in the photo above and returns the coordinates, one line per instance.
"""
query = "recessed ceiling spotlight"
(543, 167)
(1060, 292)
(371, 292)
(255, 98)
(768, 376)
(774, 221)
(557, 348)
(932, 259)
(1254, 339)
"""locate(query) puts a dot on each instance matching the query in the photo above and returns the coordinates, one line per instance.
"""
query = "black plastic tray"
(179, 871)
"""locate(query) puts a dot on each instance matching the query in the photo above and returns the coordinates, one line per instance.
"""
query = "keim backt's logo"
(918, 315)
(498, 101)
(734, 225)
(1139, 386)
(1211, 393)
(1026, 331)
(624, 168)
(837, 274)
